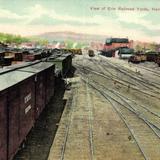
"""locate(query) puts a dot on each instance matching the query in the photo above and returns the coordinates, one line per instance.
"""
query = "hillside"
(65, 36)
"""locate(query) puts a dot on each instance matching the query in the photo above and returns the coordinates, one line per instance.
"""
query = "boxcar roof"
(59, 59)
(37, 67)
(12, 78)
(66, 54)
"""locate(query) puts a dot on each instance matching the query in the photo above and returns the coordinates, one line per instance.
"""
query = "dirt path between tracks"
(91, 129)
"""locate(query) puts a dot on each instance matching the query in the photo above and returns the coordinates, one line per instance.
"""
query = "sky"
(135, 19)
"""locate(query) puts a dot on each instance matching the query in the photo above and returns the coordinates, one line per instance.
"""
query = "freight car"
(137, 58)
(151, 56)
(43, 72)
(32, 57)
(17, 56)
(7, 57)
(68, 57)
(45, 53)
(15, 87)
(76, 51)
(91, 53)
(62, 63)
(158, 60)
(22, 99)
(125, 52)
(6, 60)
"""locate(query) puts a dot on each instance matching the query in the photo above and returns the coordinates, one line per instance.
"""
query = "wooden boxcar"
(44, 77)
(24, 92)
(3, 124)
(16, 86)
(158, 60)
(151, 56)
(17, 56)
(61, 65)
(137, 58)
(68, 57)
(32, 57)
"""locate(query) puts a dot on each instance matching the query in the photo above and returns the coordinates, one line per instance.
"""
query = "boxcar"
(158, 60)
(7, 60)
(44, 77)
(151, 56)
(60, 64)
(17, 55)
(68, 60)
(137, 58)
(32, 56)
(3, 125)
(18, 87)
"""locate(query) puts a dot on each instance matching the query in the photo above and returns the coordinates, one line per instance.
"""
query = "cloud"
(137, 18)
(4, 13)
(39, 11)
(38, 19)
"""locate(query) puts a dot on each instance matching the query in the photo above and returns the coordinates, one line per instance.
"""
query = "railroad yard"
(79, 80)
(115, 112)
(111, 111)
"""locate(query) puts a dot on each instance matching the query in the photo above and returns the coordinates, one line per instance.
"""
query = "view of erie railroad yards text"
(79, 80)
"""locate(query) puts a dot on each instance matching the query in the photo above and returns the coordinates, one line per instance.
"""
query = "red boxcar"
(20, 117)
(32, 57)
(44, 75)
(3, 125)
(50, 82)
(24, 92)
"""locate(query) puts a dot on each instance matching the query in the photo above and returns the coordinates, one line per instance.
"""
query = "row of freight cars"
(141, 57)
(62, 58)
(25, 90)
(73, 51)
(11, 56)
(123, 48)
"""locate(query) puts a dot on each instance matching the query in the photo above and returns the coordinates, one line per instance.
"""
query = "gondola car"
(137, 58)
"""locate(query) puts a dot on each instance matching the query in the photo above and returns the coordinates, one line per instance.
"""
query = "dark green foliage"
(9, 38)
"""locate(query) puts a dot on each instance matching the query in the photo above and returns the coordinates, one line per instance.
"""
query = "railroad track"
(149, 116)
(141, 110)
(90, 121)
(155, 72)
(144, 111)
(140, 82)
(122, 82)
(130, 73)
(145, 136)
(72, 103)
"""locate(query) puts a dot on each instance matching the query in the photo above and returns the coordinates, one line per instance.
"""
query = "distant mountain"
(66, 36)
